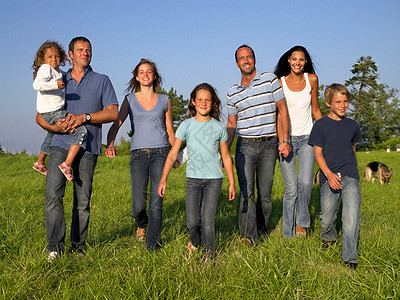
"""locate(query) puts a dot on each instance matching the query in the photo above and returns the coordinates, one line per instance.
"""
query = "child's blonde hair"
(333, 89)
(39, 57)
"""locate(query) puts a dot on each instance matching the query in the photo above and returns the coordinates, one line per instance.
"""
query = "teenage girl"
(149, 113)
(204, 136)
(48, 81)
(296, 74)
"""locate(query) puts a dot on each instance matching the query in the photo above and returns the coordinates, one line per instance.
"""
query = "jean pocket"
(163, 151)
(134, 154)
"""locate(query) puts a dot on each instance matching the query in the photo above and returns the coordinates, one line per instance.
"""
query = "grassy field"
(117, 266)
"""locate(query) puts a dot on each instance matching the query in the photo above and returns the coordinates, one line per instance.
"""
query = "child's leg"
(329, 201)
(66, 166)
(194, 195)
(42, 158)
(73, 151)
(212, 190)
(351, 218)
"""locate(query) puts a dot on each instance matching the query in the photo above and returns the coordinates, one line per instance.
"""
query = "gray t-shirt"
(147, 125)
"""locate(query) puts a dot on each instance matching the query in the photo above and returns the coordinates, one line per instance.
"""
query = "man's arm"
(284, 148)
(108, 114)
(60, 126)
(231, 128)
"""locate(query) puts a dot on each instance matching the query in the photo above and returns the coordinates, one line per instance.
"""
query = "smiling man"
(90, 100)
(252, 109)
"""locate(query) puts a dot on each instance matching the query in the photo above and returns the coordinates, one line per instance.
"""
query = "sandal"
(190, 248)
(140, 233)
(64, 168)
(40, 168)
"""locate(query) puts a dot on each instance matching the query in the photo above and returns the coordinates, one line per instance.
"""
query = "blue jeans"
(83, 170)
(351, 215)
(255, 165)
(297, 189)
(79, 137)
(148, 164)
(201, 205)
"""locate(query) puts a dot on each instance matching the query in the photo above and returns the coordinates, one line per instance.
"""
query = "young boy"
(334, 137)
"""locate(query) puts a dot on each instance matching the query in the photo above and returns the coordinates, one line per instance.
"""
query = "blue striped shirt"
(255, 105)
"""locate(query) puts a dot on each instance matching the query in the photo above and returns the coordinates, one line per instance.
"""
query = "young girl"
(204, 136)
(295, 71)
(149, 113)
(50, 103)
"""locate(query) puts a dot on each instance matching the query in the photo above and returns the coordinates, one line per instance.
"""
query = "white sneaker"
(53, 255)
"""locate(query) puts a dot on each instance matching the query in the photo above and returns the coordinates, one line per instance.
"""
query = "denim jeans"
(297, 189)
(83, 169)
(255, 165)
(351, 215)
(79, 137)
(148, 164)
(201, 205)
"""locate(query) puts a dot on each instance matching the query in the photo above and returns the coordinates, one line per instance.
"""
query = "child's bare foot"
(41, 168)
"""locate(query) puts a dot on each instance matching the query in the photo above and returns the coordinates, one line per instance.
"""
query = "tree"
(179, 106)
(321, 100)
(373, 105)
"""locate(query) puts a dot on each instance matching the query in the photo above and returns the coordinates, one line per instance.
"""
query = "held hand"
(284, 149)
(334, 181)
(232, 192)
(161, 189)
(60, 84)
(111, 152)
(76, 120)
(62, 126)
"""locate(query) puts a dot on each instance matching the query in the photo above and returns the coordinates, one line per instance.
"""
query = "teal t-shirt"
(202, 142)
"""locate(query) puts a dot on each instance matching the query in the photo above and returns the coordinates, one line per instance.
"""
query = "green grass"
(117, 266)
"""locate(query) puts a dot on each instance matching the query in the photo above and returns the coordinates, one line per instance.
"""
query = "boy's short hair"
(334, 88)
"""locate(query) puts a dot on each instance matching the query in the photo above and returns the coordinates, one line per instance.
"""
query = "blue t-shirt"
(336, 138)
(93, 93)
(147, 125)
(202, 141)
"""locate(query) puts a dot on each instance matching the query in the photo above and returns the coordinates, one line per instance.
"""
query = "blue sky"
(191, 42)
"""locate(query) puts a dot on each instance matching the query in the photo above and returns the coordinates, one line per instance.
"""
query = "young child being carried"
(334, 137)
(204, 137)
(48, 81)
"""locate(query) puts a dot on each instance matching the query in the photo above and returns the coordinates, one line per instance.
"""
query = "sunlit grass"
(117, 266)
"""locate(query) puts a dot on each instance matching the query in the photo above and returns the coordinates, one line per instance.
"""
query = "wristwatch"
(88, 117)
(286, 142)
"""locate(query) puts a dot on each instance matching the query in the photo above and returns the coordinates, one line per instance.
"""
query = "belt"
(261, 139)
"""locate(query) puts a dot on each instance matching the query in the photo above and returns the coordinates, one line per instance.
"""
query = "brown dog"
(378, 170)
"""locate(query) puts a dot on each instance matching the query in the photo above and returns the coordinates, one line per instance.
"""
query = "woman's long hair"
(134, 85)
(283, 66)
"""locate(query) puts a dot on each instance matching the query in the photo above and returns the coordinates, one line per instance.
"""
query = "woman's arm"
(316, 112)
(227, 161)
(172, 156)
(168, 124)
(112, 132)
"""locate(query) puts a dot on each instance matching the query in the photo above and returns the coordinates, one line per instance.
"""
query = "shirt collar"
(87, 70)
(257, 77)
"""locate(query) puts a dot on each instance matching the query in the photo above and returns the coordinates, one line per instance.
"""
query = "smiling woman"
(149, 113)
(295, 71)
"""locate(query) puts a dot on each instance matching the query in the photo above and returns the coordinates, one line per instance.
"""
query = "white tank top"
(299, 106)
